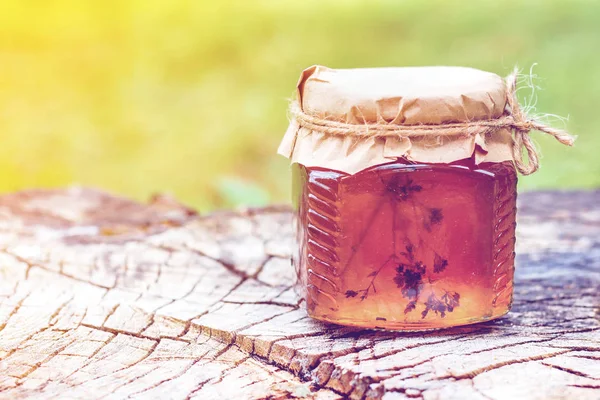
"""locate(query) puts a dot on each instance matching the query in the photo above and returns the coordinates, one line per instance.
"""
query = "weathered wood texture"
(104, 297)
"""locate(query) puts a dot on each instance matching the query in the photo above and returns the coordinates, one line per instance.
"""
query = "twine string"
(513, 119)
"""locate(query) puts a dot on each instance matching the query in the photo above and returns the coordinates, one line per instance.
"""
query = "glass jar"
(405, 202)
(406, 245)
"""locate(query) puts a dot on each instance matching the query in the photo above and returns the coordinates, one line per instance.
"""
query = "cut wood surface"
(103, 297)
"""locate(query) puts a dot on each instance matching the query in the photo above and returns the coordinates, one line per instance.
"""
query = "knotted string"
(513, 119)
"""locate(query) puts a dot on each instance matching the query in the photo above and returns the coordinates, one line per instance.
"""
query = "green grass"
(189, 97)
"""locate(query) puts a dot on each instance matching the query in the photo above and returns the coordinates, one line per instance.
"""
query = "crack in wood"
(133, 334)
(507, 363)
(569, 370)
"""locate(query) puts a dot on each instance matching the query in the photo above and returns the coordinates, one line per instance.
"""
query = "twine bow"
(513, 119)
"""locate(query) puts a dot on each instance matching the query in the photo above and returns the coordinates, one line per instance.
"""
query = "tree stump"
(105, 297)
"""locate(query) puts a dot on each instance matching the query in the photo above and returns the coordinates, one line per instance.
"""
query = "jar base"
(416, 327)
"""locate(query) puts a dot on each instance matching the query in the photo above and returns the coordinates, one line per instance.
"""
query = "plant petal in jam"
(451, 299)
(447, 302)
(409, 278)
(439, 263)
(401, 188)
(435, 217)
(410, 306)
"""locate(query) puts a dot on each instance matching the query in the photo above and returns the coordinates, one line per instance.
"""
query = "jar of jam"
(404, 188)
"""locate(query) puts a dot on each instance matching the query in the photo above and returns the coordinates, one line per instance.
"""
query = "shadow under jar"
(405, 205)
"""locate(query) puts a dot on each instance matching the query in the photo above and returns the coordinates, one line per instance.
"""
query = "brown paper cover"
(404, 96)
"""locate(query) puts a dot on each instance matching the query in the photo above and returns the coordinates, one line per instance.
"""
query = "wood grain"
(102, 297)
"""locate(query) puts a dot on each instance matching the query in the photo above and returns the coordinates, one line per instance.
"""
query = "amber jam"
(407, 246)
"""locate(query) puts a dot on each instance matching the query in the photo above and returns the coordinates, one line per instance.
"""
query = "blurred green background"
(190, 97)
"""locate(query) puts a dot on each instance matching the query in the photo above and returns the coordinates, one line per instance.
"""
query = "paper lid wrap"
(401, 96)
